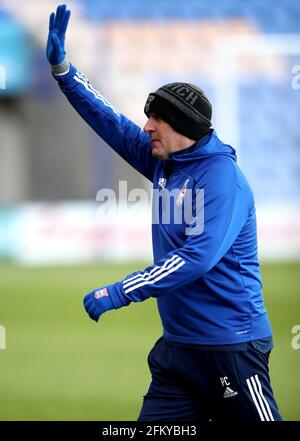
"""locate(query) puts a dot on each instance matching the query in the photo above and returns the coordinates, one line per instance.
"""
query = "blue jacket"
(206, 275)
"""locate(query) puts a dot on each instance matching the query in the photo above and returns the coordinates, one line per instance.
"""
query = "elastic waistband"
(264, 344)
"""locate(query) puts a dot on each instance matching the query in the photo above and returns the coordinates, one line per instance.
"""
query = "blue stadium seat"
(270, 15)
(269, 115)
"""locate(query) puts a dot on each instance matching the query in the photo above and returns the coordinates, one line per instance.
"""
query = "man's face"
(164, 138)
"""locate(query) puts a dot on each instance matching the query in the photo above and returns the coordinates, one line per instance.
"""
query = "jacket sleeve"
(125, 137)
(225, 213)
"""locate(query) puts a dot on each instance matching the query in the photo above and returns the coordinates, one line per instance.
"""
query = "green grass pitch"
(60, 365)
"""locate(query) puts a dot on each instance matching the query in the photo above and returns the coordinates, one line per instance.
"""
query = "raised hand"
(58, 24)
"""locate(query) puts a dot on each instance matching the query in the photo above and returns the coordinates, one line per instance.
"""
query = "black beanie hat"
(182, 105)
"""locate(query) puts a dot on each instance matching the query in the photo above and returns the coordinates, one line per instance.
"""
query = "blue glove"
(58, 24)
(97, 302)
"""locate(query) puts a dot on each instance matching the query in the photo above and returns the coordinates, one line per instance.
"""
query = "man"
(212, 361)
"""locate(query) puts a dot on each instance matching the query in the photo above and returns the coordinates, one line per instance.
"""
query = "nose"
(149, 126)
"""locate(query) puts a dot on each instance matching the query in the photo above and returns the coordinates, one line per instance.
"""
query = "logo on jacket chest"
(180, 198)
(162, 182)
(175, 202)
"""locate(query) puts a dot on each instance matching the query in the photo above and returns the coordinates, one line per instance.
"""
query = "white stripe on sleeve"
(80, 78)
(154, 272)
(160, 273)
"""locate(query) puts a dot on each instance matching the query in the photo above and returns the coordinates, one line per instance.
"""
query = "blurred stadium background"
(53, 246)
